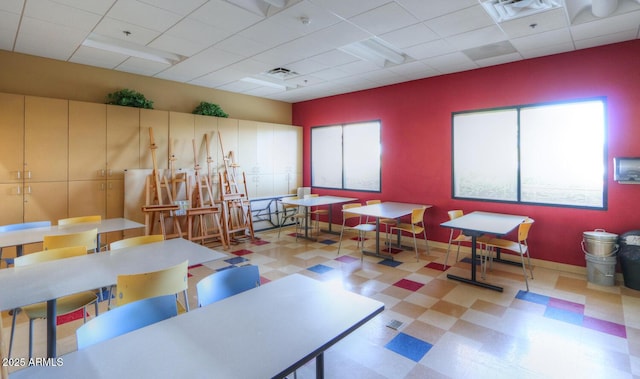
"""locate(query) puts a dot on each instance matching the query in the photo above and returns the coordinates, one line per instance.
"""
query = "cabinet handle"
(19, 191)
(110, 172)
(102, 172)
(28, 175)
(28, 190)
(102, 187)
(110, 186)
(18, 174)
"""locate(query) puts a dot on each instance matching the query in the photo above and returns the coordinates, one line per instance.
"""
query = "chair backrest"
(136, 287)
(24, 225)
(225, 283)
(523, 229)
(371, 202)
(87, 238)
(289, 206)
(455, 214)
(135, 241)
(50, 255)
(79, 220)
(417, 215)
(125, 319)
(348, 215)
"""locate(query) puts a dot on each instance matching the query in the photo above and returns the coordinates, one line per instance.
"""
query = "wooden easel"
(237, 207)
(155, 199)
(204, 217)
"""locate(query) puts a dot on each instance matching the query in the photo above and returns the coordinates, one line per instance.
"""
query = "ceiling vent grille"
(281, 73)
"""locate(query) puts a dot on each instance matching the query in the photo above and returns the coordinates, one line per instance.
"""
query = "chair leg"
(30, 338)
(13, 329)
(446, 257)
(415, 247)
(340, 241)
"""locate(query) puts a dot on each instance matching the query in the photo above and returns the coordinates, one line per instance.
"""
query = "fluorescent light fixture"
(375, 50)
(259, 7)
(119, 46)
(504, 10)
(267, 83)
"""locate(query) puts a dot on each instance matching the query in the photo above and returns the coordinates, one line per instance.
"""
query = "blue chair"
(20, 226)
(125, 319)
(225, 283)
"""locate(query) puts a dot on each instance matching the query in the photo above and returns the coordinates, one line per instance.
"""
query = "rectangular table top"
(44, 281)
(387, 209)
(318, 200)
(261, 333)
(485, 222)
(27, 236)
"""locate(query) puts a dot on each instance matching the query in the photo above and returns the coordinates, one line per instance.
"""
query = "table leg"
(320, 366)
(51, 328)
(473, 280)
(377, 252)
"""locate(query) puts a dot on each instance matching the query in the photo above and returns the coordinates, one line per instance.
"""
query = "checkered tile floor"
(433, 327)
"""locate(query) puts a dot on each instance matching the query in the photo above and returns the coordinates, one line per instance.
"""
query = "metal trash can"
(600, 249)
(629, 255)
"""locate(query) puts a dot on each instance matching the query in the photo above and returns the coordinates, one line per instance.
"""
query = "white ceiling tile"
(348, 9)
(555, 48)
(141, 66)
(410, 36)
(55, 13)
(306, 66)
(540, 40)
(182, 7)
(429, 49)
(144, 15)
(240, 45)
(96, 6)
(608, 25)
(338, 35)
(537, 23)
(47, 40)
(8, 26)
(225, 16)
(384, 19)
(451, 63)
(110, 27)
(331, 74)
(426, 10)
(479, 37)
(461, 21)
(177, 45)
(12, 6)
(501, 59)
(626, 35)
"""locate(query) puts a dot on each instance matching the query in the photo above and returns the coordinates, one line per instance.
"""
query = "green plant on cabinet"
(129, 98)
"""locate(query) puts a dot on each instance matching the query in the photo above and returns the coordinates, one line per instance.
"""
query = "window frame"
(518, 177)
(341, 148)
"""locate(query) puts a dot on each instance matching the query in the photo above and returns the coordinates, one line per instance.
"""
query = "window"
(346, 156)
(538, 154)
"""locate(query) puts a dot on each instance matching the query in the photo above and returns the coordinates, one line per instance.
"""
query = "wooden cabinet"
(123, 140)
(12, 141)
(181, 135)
(87, 141)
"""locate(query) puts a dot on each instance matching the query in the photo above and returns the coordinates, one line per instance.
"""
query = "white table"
(50, 280)
(387, 209)
(316, 201)
(476, 224)
(19, 238)
(266, 332)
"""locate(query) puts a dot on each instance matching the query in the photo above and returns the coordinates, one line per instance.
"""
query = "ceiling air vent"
(504, 10)
(281, 73)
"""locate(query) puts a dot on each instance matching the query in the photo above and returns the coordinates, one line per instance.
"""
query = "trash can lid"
(601, 235)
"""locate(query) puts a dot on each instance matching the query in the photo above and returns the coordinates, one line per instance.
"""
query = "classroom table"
(478, 223)
(47, 281)
(387, 209)
(316, 201)
(19, 238)
(266, 332)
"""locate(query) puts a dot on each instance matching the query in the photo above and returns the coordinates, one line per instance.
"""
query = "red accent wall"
(416, 137)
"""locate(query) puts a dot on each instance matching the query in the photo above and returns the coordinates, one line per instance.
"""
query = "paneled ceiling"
(232, 45)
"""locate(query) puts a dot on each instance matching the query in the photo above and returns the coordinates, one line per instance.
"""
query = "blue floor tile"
(564, 315)
(236, 260)
(409, 347)
(390, 263)
(532, 297)
(320, 269)
(327, 242)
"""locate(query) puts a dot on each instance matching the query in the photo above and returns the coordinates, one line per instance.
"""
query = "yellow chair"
(135, 241)
(360, 227)
(416, 226)
(65, 304)
(88, 238)
(316, 212)
(128, 242)
(293, 212)
(79, 220)
(519, 247)
(461, 237)
(387, 222)
(172, 280)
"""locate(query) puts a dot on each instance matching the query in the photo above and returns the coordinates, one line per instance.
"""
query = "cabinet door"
(87, 141)
(87, 197)
(12, 203)
(159, 122)
(123, 140)
(255, 147)
(181, 129)
(46, 139)
(115, 198)
(45, 201)
(12, 141)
